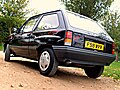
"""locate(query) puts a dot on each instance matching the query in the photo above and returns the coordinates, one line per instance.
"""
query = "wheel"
(7, 53)
(47, 63)
(94, 72)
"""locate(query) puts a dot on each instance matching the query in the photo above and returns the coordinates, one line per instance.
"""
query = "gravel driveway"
(20, 74)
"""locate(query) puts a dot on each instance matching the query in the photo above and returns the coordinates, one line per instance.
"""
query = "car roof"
(46, 13)
(63, 11)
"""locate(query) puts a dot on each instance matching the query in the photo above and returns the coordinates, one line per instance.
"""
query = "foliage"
(95, 9)
(1, 47)
(12, 13)
(113, 70)
(112, 26)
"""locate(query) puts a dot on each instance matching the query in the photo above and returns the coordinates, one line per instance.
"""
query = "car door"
(47, 23)
(21, 40)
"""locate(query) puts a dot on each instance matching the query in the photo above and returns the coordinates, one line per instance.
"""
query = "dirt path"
(24, 75)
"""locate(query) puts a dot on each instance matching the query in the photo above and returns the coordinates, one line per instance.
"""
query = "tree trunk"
(10, 30)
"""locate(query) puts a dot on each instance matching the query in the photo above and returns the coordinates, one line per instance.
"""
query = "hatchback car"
(62, 38)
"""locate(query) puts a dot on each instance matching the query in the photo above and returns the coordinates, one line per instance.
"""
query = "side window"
(48, 22)
(29, 25)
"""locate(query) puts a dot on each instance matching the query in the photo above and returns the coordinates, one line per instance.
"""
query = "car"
(62, 38)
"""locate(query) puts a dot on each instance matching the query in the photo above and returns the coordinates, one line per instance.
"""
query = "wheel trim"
(44, 60)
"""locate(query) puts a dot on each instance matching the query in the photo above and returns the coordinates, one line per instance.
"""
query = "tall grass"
(113, 70)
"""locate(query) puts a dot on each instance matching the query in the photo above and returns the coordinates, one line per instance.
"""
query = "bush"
(1, 47)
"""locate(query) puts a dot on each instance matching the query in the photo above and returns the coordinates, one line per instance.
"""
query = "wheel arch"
(43, 46)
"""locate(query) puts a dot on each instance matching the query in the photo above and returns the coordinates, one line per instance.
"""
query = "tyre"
(47, 62)
(94, 72)
(7, 53)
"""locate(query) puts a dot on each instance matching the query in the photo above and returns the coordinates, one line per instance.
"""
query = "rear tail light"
(113, 48)
(68, 38)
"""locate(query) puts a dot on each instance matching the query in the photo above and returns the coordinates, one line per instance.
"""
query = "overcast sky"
(47, 5)
(116, 6)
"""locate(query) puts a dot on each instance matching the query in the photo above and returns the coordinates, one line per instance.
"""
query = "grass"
(113, 70)
(1, 47)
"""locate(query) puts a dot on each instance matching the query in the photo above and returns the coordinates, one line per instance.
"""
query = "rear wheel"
(7, 53)
(47, 63)
(94, 72)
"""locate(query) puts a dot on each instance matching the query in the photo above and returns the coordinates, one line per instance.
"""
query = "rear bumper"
(82, 56)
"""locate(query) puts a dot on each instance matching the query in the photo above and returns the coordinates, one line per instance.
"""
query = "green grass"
(1, 47)
(113, 70)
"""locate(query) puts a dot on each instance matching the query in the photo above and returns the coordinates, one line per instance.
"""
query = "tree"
(3, 30)
(95, 9)
(12, 14)
(112, 26)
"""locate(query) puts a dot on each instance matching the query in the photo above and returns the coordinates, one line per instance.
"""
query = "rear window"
(84, 23)
(87, 24)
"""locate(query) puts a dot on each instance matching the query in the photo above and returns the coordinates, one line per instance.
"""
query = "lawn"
(1, 48)
(113, 70)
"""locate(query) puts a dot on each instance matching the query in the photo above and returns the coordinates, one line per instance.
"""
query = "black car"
(62, 38)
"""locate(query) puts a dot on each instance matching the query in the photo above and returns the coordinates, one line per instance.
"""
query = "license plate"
(93, 45)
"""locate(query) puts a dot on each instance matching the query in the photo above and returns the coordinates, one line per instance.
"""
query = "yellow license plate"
(93, 45)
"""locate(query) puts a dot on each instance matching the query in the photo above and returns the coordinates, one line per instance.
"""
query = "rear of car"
(86, 42)
(86, 45)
